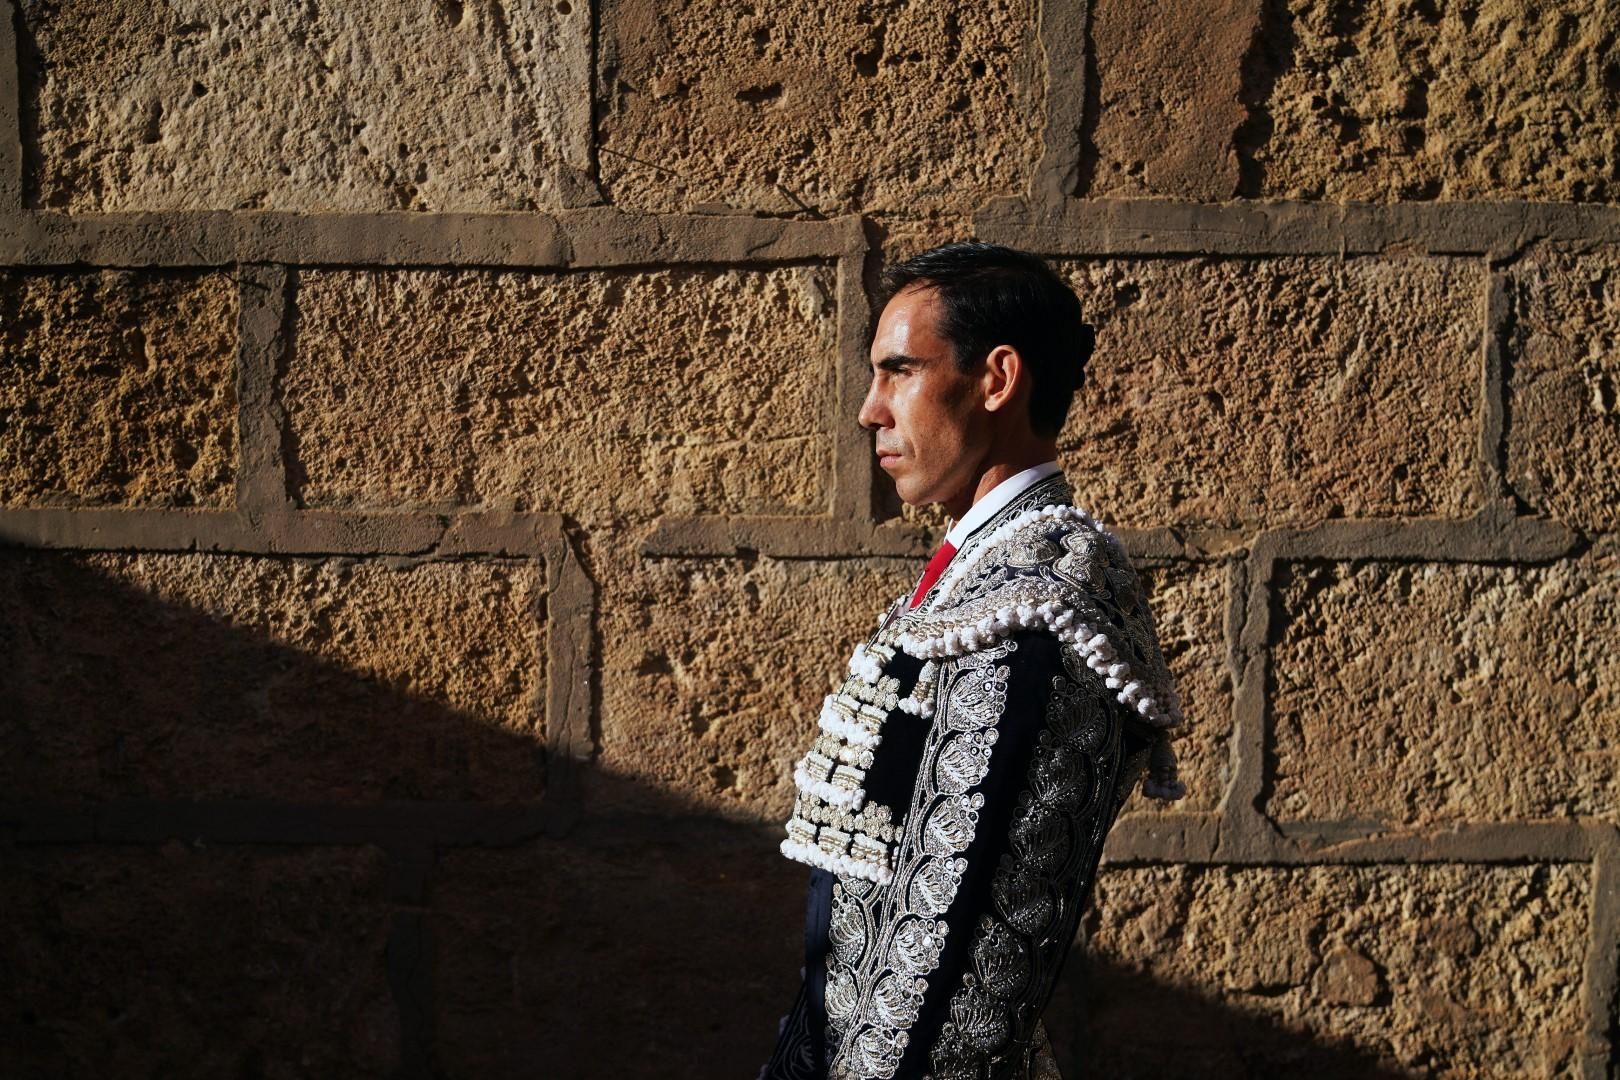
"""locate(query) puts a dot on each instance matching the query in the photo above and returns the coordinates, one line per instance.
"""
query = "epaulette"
(1054, 569)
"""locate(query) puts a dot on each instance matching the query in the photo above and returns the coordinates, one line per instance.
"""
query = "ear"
(1004, 376)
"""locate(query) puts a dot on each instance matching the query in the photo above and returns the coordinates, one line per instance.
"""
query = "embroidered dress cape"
(955, 801)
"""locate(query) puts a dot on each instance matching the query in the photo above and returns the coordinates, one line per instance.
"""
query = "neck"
(1004, 467)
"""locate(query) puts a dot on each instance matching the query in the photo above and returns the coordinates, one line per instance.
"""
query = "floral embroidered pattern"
(1054, 842)
(887, 940)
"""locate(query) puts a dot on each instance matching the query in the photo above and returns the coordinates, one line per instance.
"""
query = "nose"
(874, 410)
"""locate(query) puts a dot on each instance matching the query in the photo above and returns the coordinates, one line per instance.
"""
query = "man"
(954, 802)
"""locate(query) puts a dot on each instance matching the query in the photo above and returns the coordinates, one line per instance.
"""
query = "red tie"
(936, 567)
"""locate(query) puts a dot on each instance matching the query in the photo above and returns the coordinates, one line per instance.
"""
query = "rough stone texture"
(1563, 442)
(1363, 971)
(860, 105)
(713, 671)
(592, 393)
(325, 681)
(895, 239)
(665, 946)
(1411, 693)
(1168, 80)
(1189, 602)
(1434, 100)
(653, 920)
(275, 105)
(1277, 391)
(117, 387)
(134, 962)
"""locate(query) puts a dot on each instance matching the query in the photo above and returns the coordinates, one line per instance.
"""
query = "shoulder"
(1051, 571)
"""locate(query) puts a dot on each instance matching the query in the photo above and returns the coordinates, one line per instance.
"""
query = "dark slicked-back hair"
(991, 295)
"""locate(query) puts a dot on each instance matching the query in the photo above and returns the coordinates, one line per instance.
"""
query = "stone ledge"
(289, 532)
(597, 237)
(607, 237)
(1499, 230)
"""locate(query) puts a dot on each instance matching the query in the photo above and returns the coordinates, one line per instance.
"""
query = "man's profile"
(961, 781)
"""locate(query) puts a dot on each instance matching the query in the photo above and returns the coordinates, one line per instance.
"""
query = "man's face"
(931, 429)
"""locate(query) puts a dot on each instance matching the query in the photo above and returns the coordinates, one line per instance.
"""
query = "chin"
(912, 495)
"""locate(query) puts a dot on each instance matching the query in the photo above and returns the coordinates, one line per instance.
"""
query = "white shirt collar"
(997, 497)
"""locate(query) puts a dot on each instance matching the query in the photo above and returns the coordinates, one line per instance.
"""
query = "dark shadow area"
(114, 693)
(31, 67)
(657, 946)
(1105, 1020)
(1090, 113)
(1269, 56)
(385, 906)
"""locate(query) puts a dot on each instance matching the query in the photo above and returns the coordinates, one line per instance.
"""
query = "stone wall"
(430, 508)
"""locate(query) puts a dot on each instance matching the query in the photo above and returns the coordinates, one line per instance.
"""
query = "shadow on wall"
(224, 855)
(1106, 1020)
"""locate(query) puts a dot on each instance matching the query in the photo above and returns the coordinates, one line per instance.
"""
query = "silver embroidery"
(841, 995)
(873, 1000)
(1039, 564)
(1052, 571)
(848, 934)
(1001, 959)
(917, 945)
(951, 824)
(934, 886)
(1057, 830)
(897, 1000)
(963, 761)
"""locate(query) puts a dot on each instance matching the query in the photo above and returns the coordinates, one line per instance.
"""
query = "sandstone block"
(889, 109)
(713, 673)
(300, 680)
(1169, 80)
(1409, 694)
(380, 106)
(1189, 603)
(117, 387)
(1563, 444)
(192, 961)
(683, 930)
(1467, 970)
(1433, 101)
(1277, 391)
(605, 396)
